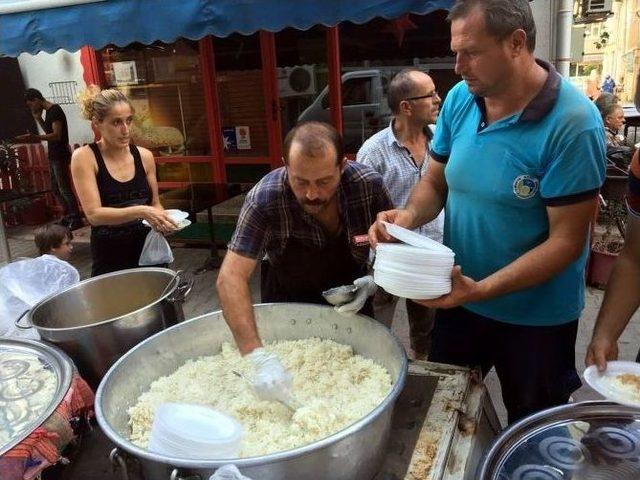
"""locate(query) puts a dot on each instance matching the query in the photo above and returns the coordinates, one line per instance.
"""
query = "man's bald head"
(313, 140)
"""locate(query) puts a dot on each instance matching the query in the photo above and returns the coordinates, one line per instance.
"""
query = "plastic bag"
(156, 250)
(23, 284)
(228, 472)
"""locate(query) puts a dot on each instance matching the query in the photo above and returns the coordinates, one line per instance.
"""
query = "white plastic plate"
(605, 384)
(177, 215)
(413, 238)
(181, 224)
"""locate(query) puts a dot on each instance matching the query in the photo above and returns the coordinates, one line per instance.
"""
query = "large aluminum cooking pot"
(354, 453)
(99, 319)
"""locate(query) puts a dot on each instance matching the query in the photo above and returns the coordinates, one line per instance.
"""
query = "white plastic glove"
(366, 288)
(271, 381)
(228, 472)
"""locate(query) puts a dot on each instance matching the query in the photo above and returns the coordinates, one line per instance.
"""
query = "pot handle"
(175, 475)
(19, 325)
(182, 290)
(118, 462)
(174, 280)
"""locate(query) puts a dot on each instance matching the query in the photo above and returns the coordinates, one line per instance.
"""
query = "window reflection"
(164, 84)
(239, 79)
(301, 59)
(374, 52)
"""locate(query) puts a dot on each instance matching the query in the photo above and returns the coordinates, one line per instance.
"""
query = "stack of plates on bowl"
(194, 431)
(419, 269)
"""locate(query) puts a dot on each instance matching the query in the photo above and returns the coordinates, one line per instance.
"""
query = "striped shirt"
(387, 156)
(271, 214)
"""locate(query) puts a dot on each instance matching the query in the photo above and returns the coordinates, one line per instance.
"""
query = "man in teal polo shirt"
(520, 156)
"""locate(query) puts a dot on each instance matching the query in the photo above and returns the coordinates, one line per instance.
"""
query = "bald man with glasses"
(400, 153)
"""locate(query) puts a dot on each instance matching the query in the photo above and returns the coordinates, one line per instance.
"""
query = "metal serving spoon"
(291, 404)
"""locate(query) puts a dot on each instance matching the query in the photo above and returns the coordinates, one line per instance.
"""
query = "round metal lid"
(590, 440)
(34, 378)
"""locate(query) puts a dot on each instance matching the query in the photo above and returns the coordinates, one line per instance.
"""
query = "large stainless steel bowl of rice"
(355, 452)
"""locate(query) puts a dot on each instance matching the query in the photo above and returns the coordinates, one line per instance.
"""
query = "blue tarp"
(122, 22)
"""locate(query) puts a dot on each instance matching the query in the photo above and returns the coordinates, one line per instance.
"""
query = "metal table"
(7, 196)
(443, 422)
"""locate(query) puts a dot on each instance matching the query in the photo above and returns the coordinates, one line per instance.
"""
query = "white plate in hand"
(177, 215)
(181, 224)
(413, 238)
(625, 390)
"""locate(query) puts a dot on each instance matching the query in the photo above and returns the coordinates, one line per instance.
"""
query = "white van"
(364, 98)
(365, 110)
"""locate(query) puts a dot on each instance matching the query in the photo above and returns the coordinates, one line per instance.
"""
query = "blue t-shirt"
(502, 177)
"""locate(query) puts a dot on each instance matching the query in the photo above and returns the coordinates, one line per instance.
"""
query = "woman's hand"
(159, 220)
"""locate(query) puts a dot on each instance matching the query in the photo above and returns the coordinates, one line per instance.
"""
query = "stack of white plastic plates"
(419, 269)
(194, 431)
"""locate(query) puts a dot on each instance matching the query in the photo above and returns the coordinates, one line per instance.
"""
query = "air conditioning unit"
(597, 7)
(296, 81)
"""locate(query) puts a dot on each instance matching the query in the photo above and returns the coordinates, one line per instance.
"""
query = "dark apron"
(303, 272)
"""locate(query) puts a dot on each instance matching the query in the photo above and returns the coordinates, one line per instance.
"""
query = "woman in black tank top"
(116, 184)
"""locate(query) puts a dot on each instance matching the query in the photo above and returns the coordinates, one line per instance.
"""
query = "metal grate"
(64, 93)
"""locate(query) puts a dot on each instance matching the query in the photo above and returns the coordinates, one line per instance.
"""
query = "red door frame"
(212, 107)
(335, 77)
(92, 74)
(271, 97)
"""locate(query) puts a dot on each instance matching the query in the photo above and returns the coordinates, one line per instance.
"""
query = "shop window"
(301, 59)
(246, 173)
(186, 172)
(239, 80)
(164, 83)
(357, 91)
(372, 53)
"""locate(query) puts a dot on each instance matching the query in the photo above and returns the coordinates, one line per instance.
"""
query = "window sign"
(243, 138)
(125, 73)
(229, 139)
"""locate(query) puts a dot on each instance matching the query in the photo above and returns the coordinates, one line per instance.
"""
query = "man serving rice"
(305, 219)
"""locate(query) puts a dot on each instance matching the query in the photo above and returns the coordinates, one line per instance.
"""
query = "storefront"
(217, 108)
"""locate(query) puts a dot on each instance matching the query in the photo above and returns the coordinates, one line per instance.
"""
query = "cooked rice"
(335, 387)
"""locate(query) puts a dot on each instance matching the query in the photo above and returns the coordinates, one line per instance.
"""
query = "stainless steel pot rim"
(65, 373)
(247, 461)
(99, 277)
(505, 442)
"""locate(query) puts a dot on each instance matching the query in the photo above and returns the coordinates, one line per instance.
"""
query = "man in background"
(56, 134)
(400, 153)
(609, 85)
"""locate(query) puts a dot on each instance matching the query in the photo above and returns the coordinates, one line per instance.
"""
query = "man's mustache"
(313, 202)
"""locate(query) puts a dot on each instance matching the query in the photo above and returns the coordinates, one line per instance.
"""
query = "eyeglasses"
(428, 95)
